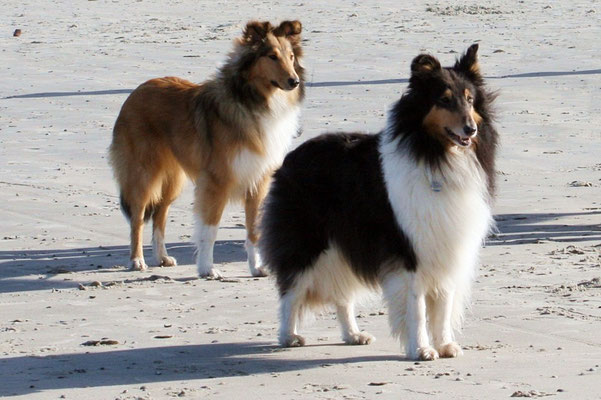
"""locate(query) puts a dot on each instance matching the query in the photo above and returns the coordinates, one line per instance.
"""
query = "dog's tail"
(126, 209)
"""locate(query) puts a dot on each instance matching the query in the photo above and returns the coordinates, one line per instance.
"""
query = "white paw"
(449, 350)
(210, 273)
(292, 341)
(138, 264)
(258, 272)
(360, 338)
(167, 261)
(426, 353)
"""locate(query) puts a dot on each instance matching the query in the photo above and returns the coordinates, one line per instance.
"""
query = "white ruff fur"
(446, 229)
(278, 127)
(329, 281)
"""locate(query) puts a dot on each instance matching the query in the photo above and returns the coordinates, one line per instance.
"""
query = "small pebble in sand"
(531, 393)
(103, 342)
(17, 33)
(580, 184)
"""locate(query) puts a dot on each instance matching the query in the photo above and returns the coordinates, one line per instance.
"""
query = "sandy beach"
(76, 324)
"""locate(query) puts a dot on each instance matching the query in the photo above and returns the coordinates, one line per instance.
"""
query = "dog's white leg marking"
(406, 303)
(418, 346)
(348, 324)
(440, 311)
(160, 251)
(289, 313)
(205, 241)
(255, 263)
(138, 264)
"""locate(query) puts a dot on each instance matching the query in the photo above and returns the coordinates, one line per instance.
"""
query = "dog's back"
(328, 193)
(146, 151)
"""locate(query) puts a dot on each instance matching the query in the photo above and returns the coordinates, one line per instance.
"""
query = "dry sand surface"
(75, 324)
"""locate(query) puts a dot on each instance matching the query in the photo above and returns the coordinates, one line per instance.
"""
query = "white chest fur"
(278, 127)
(446, 227)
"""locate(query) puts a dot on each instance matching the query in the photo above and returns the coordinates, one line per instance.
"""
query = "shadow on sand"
(541, 74)
(102, 260)
(18, 267)
(155, 364)
(516, 229)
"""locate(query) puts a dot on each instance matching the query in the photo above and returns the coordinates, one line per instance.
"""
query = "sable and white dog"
(227, 135)
(405, 210)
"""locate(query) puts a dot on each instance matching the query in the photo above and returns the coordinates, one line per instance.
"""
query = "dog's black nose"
(293, 82)
(469, 130)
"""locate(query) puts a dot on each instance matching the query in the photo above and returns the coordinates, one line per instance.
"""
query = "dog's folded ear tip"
(288, 28)
(424, 63)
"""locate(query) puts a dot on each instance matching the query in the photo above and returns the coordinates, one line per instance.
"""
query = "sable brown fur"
(170, 128)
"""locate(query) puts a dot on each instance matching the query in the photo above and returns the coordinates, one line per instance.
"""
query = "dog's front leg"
(210, 201)
(440, 312)
(418, 342)
(405, 297)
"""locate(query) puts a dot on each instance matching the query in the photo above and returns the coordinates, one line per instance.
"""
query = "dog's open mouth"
(461, 141)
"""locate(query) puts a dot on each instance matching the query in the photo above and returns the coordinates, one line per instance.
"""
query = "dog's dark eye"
(470, 99)
(273, 57)
(445, 100)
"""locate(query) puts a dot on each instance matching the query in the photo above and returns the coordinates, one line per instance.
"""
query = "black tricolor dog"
(405, 210)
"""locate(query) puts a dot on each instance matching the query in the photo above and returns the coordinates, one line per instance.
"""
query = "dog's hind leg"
(253, 200)
(289, 317)
(171, 189)
(440, 309)
(350, 331)
(136, 257)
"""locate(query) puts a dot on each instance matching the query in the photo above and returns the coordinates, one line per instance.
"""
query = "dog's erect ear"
(256, 31)
(468, 64)
(424, 64)
(290, 29)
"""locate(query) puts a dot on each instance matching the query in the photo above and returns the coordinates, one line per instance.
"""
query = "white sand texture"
(76, 324)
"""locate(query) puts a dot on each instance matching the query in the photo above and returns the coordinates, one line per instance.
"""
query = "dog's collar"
(435, 183)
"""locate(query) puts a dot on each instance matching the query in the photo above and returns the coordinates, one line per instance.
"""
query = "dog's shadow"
(17, 267)
(157, 364)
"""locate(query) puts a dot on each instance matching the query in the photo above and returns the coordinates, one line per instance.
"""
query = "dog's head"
(276, 52)
(450, 97)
